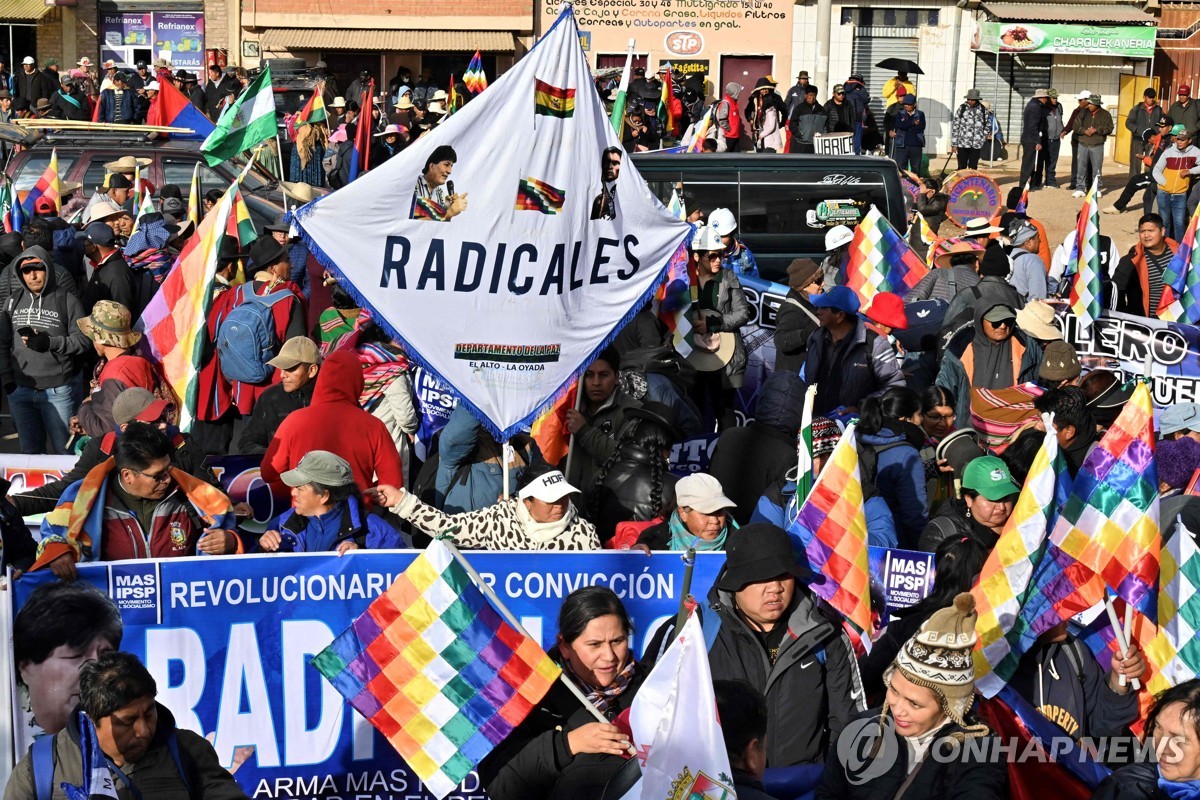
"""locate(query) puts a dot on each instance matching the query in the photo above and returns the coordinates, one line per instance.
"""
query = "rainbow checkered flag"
(433, 666)
(1181, 284)
(832, 526)
(880, 260)
(1174, 654)
(1023, 200)
(1083, 266)
(1005, 581)
(474, 77)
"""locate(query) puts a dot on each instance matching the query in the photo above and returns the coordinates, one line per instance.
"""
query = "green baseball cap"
(320, 466)
(989, 476)
(1179, 130)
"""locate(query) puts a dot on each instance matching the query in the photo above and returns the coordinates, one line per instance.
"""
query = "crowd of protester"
(949, 421)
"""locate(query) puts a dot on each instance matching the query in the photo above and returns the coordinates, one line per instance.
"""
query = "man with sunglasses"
(134, 505)
(999, 356)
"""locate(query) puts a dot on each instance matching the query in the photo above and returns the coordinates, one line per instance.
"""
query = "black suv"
(83, 154)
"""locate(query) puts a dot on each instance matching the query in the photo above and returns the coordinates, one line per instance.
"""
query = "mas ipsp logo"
(136, 589)
(867, 749)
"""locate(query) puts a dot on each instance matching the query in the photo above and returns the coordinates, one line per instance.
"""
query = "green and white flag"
(617, 116)
(250, 120)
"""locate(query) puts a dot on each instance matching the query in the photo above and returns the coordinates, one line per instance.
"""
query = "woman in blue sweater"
(890, 429)
(327, 512)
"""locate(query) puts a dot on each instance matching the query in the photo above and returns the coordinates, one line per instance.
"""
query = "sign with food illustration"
(1132, 41)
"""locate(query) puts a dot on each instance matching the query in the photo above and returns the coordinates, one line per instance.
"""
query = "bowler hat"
(265, 251)
(959, 449)
(660, 414)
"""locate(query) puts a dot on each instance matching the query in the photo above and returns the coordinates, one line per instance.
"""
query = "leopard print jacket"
(497, 527)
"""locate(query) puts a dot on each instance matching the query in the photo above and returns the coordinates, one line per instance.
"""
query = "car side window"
(179, 172)
(94, 175)
(795, 202)
(35, 165)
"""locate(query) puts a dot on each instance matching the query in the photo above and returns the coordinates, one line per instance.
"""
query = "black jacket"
(627, 492)
(812, 689)
(269, 413)
(34, 85)
(1134, 782)
(1033, 122)
(951, 520)
(795, 321)
(62, 108)
(967, 777)
(534, 761)
(184, 454)
(113, 280)
(1073, 691)
(749, 459)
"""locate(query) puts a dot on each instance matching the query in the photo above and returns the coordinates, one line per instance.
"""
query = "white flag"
(675, 727)
(509, 245)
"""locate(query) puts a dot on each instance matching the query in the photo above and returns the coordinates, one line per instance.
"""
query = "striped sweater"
(1172, 171)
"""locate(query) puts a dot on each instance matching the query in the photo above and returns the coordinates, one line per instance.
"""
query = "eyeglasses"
(161, 477)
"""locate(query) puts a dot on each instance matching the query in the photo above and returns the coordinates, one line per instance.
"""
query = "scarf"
(69, 99)
(147, 249)
(97, 779)
(682, 538)
(155, 261)
(380, 367)
(1179, 790)
(542, 532)
(605, 698)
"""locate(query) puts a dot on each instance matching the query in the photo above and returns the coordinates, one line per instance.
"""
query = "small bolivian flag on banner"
(553, 101)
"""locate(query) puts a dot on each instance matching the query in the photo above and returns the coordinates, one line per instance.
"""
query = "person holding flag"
(249, 121)
(779, 637)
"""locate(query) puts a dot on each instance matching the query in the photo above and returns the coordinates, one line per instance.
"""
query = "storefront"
(18, 32)
(728, 40)
(1020, 48)
(132, 31)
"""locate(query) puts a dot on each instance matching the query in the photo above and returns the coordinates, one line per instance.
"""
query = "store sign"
(177, 36)
(684, 43)
(1130, 41)
(683, 69)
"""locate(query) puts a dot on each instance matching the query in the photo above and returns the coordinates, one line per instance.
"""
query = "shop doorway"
(16, 42)
(1132, 87)
(345, 66)
(1008, 83)
(617, 60)
(874, 44)
(745, 70)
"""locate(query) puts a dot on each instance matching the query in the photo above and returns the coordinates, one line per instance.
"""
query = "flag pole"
(1122, 641)
(571, 441)
(483, 586)
(279, 149)
(689, 566)
(506, 455)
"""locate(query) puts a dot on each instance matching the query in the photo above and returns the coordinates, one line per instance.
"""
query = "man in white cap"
(33, 84)
(1069, 128)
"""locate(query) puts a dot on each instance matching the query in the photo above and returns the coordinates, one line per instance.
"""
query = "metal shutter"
(1012, 87)
(874, 44)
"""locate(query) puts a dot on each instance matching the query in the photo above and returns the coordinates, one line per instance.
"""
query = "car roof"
(95, 140)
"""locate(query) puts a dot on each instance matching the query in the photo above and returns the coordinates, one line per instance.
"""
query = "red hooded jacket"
(334, 422)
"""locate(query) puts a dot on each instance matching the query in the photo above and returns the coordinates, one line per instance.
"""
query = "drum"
(972, 195)
(834, 144)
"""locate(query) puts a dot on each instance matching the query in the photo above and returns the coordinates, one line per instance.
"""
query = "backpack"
(246, 340)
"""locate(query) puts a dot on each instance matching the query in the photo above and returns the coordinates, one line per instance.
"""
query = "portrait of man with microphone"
(434, 198)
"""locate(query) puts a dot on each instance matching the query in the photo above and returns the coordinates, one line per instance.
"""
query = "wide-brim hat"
(109, 335)
(303, 192)
(1037, 319)
(404, 104)
(959, 449)
(944, 258)
(980, 226)
(974, 94)
(127, 164)
(765, 82)
(711, 352)
(660, 414)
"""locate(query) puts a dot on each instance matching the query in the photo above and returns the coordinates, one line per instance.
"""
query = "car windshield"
(291, 101)
(257, 178)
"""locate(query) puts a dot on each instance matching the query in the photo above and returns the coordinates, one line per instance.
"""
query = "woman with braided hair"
(634, 483)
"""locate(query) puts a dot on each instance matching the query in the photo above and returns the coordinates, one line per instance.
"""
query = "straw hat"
(404, 103)
(127, 164)
(301, 191)
(958, 248)
(1037, 319)
(711, 352)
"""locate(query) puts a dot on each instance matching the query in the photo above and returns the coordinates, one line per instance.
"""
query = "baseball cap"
(1184, 88)
(296, 350)
(138, 404)
(549, 488)
(702, 492)
(99, 233)
(909, 100)
(1179, 417)
(1000, 313)
(28, 60)
(1179, 130)
(1084, 95)
(320, 466)
(989, 476)
(840, 297)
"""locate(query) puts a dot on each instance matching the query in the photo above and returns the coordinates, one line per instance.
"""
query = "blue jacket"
(347, 520)
(910, 128)
(775, 507)
(480, 485)
(110, 112)
(900, 481)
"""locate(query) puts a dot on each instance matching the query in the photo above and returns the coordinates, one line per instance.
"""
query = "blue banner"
(229, 646)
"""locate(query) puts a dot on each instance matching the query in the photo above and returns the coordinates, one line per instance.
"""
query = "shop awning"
(1094, 13)
(358, 39)
(23, 10)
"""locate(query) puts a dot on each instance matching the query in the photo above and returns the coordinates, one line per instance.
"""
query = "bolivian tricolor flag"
(553, 101)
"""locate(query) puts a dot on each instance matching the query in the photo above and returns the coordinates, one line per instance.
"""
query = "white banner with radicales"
(509, 245)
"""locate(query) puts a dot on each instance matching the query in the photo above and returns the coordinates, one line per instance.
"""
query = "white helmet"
(707, 238)
(837, 236)
(723, 221)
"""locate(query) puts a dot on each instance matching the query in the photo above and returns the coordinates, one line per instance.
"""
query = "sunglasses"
(29, 270)
(1004, 323)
